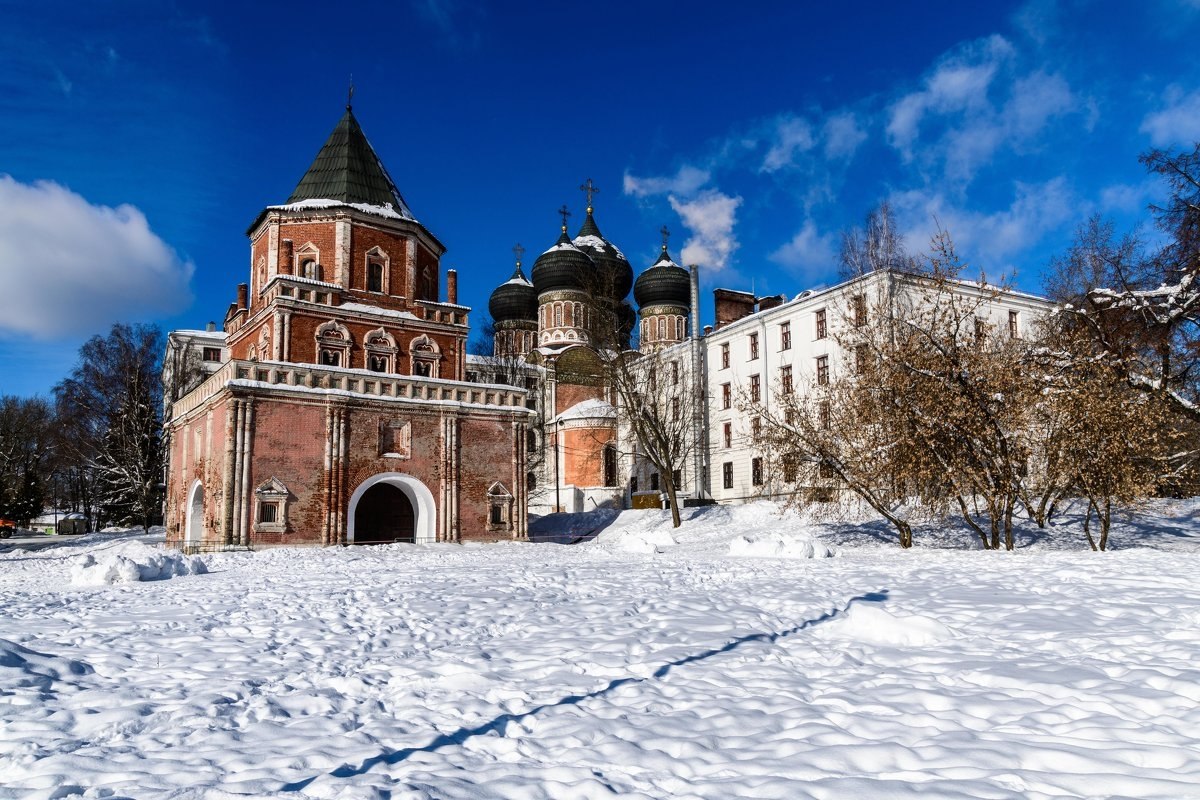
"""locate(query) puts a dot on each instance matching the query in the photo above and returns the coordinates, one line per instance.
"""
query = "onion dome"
(613, 274)
(563, 267)
(665, 283)
(515, 299)
(626, 322)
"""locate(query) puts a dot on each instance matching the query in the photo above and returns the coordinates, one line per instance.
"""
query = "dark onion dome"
(514, 300)
(562, 267)
(626, 322)
(665, 283)
(614, 275)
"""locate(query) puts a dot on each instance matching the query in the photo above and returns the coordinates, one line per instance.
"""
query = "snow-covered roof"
(597, 244)
(588, 409)
(387, 210)
(363, 308)
(562, 246)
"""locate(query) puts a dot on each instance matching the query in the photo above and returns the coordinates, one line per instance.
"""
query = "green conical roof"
(347, 170)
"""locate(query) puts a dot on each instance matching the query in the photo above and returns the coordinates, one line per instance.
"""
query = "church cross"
(518, 251)
(589, 189)
(350, 93)
(564, 213)
(666, 234)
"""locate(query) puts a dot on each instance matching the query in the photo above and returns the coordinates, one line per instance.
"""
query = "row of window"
(790, 472)
(858, 318)
(663, 328)
(787, 383)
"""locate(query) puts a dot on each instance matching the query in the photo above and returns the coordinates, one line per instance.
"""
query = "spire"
(348, 171)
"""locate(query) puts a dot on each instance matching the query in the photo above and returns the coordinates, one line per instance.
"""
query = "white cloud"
(710, 218)
(988, 239)
(977, 100)
(70, 267)
(959, 83)
(810, 253)
(791, 135)
(1178, 122)
(843, 135)
(686, 181)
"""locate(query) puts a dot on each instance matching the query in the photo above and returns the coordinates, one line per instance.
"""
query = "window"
(530, 441)
(677, 478)
(633, 485)
(654, 481)
(212, 354)
(785, 336)
(310, 269)
(753, 346)
(980, 331)
(785, 379)
(826, 471)
(377, 363)
(395, 438)
(755, 389)
(531, 481)
(330, 358)
(860, 359)
(822, 325)
(674, 409)
(1014, 320)
(756, 429)
(500, 502)
(791, 464)
(725, 356)
(727, 474)
(610, 464)
(674, 373)
(271, 514)
(824, 415)
(726, 396)
(756, 471)
(860, 310)
(374, 277)
(822, 370)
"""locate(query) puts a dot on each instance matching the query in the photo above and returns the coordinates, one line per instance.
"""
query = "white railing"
(371, 384)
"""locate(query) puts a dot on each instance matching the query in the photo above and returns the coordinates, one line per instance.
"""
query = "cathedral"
(551, 336)
(336, 408)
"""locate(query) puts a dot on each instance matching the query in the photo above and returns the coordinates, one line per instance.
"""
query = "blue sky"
(139, 140)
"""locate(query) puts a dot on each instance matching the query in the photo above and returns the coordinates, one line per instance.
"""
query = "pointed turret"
(347, 170)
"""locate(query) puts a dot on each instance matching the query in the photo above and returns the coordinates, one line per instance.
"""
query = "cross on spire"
(564, 213)
(518, 251)
(350, 93)
(589, 189)
(666, 234)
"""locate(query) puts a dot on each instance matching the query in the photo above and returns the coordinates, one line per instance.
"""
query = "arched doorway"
(194, 526)
(384, 511)
(384, 515)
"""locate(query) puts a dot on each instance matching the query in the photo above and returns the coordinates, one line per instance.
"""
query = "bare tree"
(877, 246)
(656, 394)
(110, 408)
(26, 457)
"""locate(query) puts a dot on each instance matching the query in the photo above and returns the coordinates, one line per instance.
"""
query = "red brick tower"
(342, 416)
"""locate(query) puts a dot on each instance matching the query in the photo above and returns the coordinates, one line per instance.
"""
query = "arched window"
(577, 315)
(310, 269)
(610, 464)
(662, 327)
(374, 277)
(531, 441)
(558, 315)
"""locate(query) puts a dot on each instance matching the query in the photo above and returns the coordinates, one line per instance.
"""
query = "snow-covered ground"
(746, 655)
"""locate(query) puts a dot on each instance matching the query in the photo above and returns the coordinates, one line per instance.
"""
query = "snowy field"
(734, 658)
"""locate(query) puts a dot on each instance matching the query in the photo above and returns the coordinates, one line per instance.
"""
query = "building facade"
(339, 412)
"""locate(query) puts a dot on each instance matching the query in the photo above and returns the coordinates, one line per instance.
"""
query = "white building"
(762, 346)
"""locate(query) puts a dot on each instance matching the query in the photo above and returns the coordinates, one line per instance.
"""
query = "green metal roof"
(348, 171)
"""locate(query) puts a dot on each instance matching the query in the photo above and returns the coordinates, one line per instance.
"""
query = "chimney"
(695, 298)
(732, 305)
(774, 301)
(452, 286)
(211, 327)
(285, 257)
(242, 290)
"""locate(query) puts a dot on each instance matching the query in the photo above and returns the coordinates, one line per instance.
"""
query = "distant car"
(7, 526)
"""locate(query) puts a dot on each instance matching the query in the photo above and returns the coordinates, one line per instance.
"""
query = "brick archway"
(193, 531)
(417, 494)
